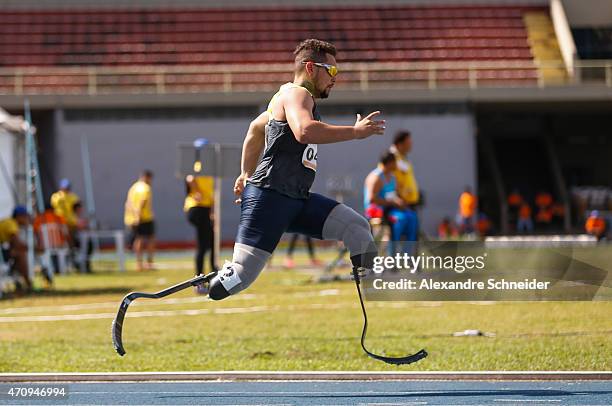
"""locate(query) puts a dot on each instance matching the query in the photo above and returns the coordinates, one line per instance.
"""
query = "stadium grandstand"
(499, 95)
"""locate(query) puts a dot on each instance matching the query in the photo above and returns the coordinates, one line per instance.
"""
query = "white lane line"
(527, 400)
(169, 313)
(195, 312)
(103, 305)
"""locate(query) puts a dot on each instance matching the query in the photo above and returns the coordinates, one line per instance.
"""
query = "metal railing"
(153, 79)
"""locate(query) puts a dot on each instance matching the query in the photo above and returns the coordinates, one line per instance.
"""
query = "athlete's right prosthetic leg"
(247, 263)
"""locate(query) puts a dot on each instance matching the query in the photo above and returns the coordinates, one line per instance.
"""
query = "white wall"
(444, 159)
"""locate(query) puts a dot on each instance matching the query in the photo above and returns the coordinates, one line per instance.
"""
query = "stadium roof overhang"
(561, 94)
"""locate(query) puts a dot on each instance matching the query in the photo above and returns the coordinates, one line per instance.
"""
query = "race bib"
(309, 157)
(391, 195)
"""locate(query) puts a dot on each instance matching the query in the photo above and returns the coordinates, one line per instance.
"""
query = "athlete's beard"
(324, 94)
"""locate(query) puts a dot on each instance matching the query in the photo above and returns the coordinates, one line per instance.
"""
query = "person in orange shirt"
(515, 199)
(596, 225)
(56, 234)
(543, 199)
(51, 232)
(467, 209)
(525, 223)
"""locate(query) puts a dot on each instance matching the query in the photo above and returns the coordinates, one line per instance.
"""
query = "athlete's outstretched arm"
(298, 109)
(252, 147)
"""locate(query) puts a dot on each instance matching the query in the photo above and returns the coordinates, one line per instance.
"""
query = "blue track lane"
(335, 393)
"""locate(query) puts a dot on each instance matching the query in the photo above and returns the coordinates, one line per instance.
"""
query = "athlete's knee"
(345, 224)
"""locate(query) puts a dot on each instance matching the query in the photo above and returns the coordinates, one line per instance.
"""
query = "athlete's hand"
(239, 187)
(364, 127)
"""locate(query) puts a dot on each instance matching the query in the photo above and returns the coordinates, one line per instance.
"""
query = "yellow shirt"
(407, 186)
(8, 229)
(62, 203)
(203, 196)
(138, 205)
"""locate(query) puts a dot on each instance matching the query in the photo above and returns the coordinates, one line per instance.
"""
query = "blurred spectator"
(57, 230)
(198, 207)
(596, 225)
(467, 210)
(483, 225)
(14, 250)
(63, 202)
(380, 194)
(82, 226)
(525, 223)
(139, 218)
(544, 215)
(407, 186)
(543, 199)
(289, 263)
(446, 229)
(51, 234)
(515, 199)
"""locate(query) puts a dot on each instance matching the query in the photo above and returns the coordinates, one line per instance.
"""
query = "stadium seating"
(181, 37)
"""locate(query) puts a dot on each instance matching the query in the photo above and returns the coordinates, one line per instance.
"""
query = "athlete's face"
(323, 81)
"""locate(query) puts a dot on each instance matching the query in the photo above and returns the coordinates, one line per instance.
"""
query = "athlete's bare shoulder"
(294, 97)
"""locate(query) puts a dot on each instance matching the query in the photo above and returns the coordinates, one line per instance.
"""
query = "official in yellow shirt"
(198, 206)
(63, 202)
(407, 186)
(12, 246)
(140, 219)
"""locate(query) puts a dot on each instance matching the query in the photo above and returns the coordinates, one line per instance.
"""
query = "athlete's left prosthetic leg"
(344, 224)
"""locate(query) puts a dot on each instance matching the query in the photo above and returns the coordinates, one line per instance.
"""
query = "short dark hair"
(401, 136)
(147, 173)
(387, 158)
(312, 50)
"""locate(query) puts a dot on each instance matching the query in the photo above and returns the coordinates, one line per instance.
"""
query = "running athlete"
(275, 194)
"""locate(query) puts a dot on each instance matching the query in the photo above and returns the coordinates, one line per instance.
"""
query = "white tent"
(11, 130)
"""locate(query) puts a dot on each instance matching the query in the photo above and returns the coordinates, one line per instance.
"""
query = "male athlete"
(275, 194)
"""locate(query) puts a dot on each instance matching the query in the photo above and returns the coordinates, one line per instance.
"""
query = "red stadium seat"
(187, 36)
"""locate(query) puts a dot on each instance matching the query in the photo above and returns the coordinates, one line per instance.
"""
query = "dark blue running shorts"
(266, 214)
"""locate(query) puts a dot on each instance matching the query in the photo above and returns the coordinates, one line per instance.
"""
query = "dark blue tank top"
(287, 166)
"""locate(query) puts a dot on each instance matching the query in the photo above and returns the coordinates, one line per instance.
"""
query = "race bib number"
(229, 277)
(309, 158)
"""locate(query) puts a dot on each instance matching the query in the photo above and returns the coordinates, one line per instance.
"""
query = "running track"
(322, 389)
